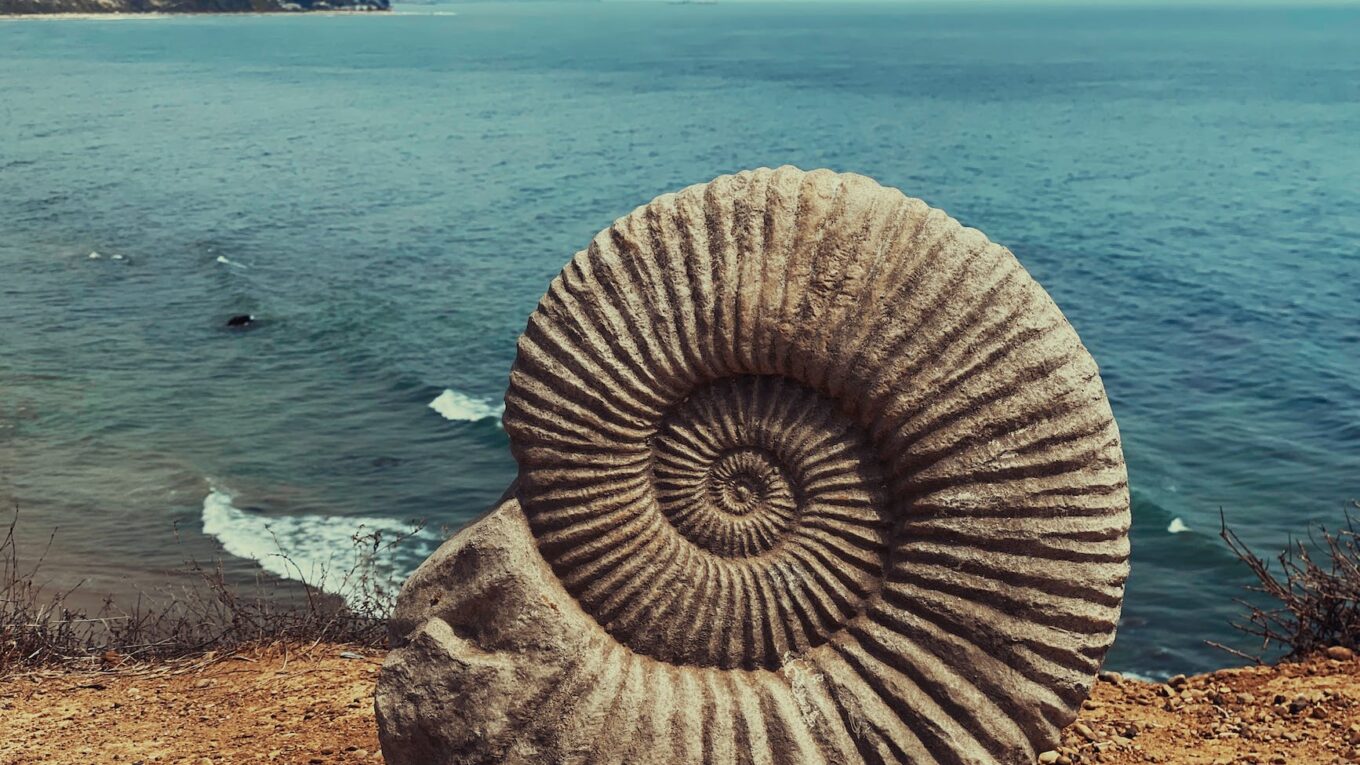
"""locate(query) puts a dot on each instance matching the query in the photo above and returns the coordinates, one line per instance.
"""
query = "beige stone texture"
(809, 473)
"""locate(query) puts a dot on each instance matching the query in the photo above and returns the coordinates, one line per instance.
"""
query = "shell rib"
(816, 474)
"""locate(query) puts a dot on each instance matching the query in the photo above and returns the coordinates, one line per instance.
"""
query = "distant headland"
(56, 7)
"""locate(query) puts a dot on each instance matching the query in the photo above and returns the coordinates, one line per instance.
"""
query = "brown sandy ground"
(314, 705)
(302, 705)
(1305, 713)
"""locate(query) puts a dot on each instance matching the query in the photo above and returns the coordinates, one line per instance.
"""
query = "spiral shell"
(788, 409)
(815, 473)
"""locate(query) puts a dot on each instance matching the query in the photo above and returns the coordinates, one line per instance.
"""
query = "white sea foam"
(453, 405)
(313, 548)
(1177, 526)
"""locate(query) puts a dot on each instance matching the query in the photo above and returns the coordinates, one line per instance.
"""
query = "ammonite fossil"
(809, 472)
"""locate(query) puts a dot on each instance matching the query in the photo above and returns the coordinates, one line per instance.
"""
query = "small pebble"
(1340, 653)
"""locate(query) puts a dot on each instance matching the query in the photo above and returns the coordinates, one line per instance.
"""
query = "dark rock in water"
(242, 320)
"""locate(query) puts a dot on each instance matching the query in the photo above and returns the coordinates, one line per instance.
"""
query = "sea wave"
(320, 550)
(453, 405)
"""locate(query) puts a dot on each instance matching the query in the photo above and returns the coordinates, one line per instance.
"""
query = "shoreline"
(151, 15)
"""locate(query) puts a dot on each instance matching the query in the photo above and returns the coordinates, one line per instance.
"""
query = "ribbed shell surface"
(791, 424)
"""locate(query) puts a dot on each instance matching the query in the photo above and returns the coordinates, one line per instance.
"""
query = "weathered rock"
(808, 473)
(1340, 653)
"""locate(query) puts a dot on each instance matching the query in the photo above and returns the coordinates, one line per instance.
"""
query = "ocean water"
(390, 195)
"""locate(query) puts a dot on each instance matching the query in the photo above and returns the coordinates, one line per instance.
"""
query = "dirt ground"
(272, 705)
(315, 706)
(1306, 713)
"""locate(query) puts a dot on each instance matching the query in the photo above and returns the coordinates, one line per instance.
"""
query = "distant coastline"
(78, 9)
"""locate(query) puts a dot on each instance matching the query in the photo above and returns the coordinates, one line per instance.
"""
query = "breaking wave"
(453, 405)
(320, 550)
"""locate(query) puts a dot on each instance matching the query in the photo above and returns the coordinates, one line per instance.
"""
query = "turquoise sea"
(390, 194)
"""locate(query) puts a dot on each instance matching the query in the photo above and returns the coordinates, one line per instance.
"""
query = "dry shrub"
(207, 613)
(1314, 599)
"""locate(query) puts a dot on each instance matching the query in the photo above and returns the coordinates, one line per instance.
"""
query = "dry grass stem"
(209, 618)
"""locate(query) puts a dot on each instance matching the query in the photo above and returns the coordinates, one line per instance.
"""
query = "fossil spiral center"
(745, 464)
(749, 525)
(744, 481)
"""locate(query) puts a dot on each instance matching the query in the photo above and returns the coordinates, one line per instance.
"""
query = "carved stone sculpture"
(809, 473)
